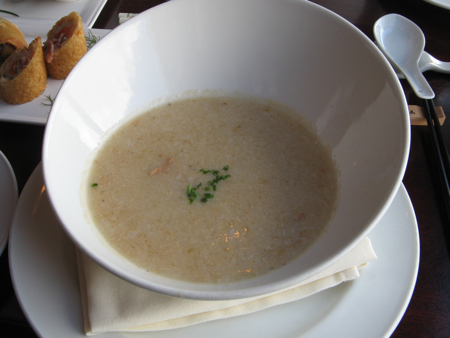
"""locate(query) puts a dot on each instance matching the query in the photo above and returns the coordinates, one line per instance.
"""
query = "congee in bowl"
(212, 189)
(222, 150)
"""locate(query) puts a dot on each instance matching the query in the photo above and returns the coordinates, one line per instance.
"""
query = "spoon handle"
(431, 63)
(441, 68)
(419, 84)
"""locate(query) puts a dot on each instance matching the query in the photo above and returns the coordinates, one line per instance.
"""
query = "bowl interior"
(294, 52)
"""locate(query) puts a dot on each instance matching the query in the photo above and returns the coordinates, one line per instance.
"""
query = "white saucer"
(8, 199)
(43, 269)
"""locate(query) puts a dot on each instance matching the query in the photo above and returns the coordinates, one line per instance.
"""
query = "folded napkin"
(111, 304)
(125, 17)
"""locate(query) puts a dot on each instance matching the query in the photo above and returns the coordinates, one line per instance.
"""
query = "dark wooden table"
(428, 314)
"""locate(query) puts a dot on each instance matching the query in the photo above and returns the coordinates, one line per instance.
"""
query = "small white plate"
(8, 199)
(441, 3)
(44, 273)
(37, 111)
(34, 10)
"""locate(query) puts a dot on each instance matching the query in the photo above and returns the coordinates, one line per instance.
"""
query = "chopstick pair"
(440, 150)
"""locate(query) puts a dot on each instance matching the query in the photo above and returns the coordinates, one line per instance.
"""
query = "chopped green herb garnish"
(94, 184)
(192, 193)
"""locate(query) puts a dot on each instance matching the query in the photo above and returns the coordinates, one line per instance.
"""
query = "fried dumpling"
(65, 46)
(23, 76)
(11, 38)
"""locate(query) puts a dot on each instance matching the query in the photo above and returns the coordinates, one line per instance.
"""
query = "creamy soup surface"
(275, 192)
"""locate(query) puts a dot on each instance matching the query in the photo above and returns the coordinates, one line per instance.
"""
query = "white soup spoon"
(403, 42)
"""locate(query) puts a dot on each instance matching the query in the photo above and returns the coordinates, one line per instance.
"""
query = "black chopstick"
(440, 138)
(440, 150)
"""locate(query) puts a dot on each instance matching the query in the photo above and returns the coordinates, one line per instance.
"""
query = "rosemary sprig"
(91, 40)
(8, 12)
(48, 97)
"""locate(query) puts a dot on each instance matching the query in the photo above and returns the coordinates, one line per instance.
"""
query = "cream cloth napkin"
(111, 304)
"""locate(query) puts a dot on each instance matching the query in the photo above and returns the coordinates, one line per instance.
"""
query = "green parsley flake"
(193, 193)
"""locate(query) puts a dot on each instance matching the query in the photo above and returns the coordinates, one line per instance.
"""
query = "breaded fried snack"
(65, 46)
(23, 76)
(11, 38)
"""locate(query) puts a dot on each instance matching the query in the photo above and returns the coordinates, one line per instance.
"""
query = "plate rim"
(34, 183)
(11, 194)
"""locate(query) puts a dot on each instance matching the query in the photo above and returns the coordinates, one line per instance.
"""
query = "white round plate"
(8, 199)
(44, 273)
(441, 3)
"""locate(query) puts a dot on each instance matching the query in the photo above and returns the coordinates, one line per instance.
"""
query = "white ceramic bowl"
(292, 51)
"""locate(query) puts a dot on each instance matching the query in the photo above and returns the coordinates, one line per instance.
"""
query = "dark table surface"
(428, 314)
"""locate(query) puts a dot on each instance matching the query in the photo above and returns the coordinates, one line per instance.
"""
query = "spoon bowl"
(403, 43)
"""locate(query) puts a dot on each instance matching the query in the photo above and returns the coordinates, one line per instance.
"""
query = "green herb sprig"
(91, 40)
(8, 12)
(192, 192)
(51, 101)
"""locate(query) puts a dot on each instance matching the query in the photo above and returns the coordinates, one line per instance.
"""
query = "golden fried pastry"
(11, 38)
(65, 46)
(23, 76)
